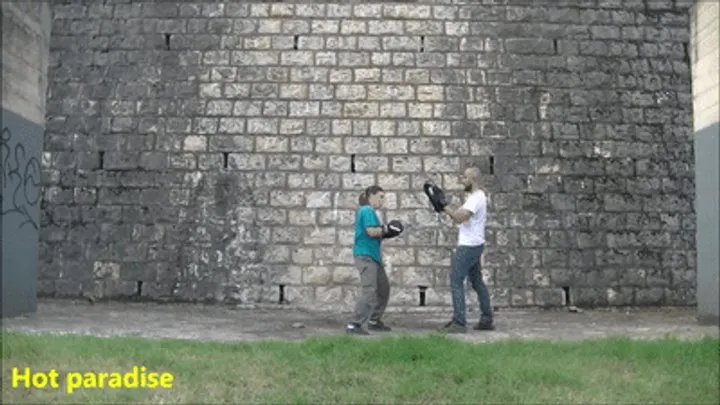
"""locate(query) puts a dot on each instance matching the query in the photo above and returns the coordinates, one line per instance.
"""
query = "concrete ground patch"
(223, 323)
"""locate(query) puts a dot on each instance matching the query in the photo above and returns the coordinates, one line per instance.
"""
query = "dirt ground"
(223, 323)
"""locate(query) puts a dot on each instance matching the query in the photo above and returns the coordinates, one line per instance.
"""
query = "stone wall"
(216, 150)
(705, 56)
(25, 55)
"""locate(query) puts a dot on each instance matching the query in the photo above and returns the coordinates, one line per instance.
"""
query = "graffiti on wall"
(20, 180)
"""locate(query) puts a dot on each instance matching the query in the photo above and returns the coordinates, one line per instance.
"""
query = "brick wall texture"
(205, 151)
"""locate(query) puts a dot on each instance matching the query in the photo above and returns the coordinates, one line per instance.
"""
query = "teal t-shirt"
(364, 244)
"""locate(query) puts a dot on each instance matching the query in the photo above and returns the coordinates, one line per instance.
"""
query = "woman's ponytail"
(363, 199)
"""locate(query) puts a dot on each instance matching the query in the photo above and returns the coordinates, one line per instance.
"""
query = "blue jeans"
(466, 264)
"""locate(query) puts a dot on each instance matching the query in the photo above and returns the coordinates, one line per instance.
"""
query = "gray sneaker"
(354, 329)
(378, 326)
(452, 327)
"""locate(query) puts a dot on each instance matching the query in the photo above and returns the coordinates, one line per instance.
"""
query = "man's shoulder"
(477, 196)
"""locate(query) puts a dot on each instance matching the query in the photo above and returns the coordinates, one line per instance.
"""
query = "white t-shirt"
(472, 232)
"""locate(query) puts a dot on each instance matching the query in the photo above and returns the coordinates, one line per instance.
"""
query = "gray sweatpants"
(374, 291)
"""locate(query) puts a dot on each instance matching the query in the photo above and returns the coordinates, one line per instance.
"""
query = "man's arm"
(464, 213)
(458, 216)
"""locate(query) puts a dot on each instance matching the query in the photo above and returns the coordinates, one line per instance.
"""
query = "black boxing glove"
(436, 196)
(392, 229)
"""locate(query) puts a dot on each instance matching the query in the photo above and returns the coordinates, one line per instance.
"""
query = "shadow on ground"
(222, 323)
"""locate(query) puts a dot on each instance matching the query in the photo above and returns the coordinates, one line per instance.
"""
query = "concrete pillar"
(705, 57)
(26, 30)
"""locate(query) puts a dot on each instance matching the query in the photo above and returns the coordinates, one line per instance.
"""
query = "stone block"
(301, 180)
(300, 296)
(620, 296)
(345, 218)
(345, 237)
(500, 297)
(438, 296)
(346, 275)
(118, 288)
(302, 256)
(403, 297)
(394, 274)
(681, 296)
(434, 257)
(588, 297)
(550, 297)
(399, 256)
(522, 297)
(288, 275)
(654, 296)
(278, 254)
(320, 236)
(418, 276)
(325, 295)
(107, 270)
(302, 217)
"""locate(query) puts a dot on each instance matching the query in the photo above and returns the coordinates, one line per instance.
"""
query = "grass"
(342, 370)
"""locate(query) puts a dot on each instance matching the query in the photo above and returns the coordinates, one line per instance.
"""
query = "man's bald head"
(471, 178)
(473, 174)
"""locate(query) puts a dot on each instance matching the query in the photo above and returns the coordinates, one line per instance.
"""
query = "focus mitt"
(436, 196)
(392, 229)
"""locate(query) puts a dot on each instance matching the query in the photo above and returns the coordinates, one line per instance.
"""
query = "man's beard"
(468, 188)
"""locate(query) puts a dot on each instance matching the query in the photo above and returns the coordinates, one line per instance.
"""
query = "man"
(374, 283)
(466, 260)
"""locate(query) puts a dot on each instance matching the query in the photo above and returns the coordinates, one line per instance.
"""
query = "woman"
(374, 283)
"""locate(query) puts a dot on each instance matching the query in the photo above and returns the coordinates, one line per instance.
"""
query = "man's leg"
(368, 269)
(476, 280)
(383, 295)
(458, 274)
